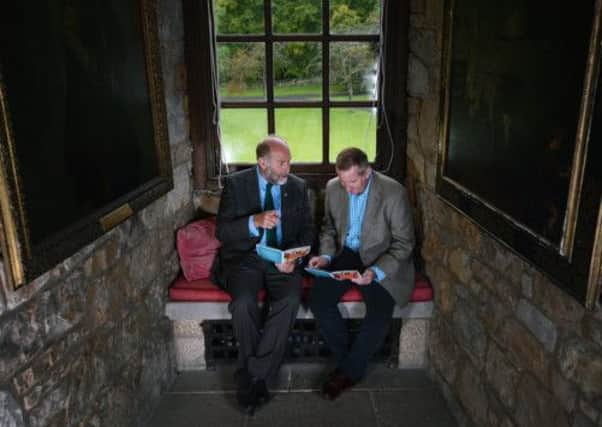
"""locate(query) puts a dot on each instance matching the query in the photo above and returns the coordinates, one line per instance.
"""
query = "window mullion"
(269, 68)
(325, 80)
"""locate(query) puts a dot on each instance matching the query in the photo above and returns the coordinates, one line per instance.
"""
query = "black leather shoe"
(336, 383)
(247, 400)
(262, 392)
(252, 394)
(245, 394)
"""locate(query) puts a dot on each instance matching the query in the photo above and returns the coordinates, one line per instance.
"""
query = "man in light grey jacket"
(367, 227)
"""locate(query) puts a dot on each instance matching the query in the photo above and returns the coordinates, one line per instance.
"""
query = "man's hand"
(366, 278)
(267, 219)
(318, 262)
(286, 267)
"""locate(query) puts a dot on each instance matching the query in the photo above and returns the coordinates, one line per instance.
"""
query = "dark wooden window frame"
(391, 141)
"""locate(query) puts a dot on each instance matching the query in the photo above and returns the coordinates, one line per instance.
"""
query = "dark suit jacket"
(387, 236)
(239, 200)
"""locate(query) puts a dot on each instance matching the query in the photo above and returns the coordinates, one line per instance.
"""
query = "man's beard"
(274, 178)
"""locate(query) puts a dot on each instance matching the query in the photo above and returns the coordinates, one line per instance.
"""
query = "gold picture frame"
(104, 78)
(578, 232)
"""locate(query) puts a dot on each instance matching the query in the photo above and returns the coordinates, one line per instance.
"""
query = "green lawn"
(302, 127)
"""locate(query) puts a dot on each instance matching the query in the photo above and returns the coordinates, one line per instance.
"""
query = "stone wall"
(507, 346)
(87, 343)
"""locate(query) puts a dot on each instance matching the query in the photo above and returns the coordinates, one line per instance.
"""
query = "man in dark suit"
(367, 227)
(264, 204)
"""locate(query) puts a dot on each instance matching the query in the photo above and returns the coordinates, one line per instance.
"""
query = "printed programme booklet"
(278, 256)
(337, 275)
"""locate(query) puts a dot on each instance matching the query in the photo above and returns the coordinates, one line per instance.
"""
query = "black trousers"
(261, 352)
(351, 358)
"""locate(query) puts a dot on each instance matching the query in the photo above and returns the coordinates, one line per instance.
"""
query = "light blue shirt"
(277, 206)
(357, 211)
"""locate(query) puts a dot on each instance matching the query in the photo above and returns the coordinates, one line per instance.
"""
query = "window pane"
(298, 71)
(353, 16)
(239, 17)
(297, 16)
(353, 67)
(241, 68)
(242, 129)
(352, 127)
(302, 128)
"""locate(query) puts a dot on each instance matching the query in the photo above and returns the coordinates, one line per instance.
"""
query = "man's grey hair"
(264, 148)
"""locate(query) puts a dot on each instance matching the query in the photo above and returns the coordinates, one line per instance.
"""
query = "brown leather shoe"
(336, 383)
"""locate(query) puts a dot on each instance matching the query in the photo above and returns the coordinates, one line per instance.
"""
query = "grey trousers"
(262, 334)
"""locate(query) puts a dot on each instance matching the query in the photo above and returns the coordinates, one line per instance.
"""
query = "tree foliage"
(239, 16)
(241, 64)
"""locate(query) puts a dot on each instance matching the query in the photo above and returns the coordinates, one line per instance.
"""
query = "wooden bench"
(192, 303)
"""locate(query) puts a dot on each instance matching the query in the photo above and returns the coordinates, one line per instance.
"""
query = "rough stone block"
(413, 105)
(588, 410)
(190, 353)
(182, 192)
(187, 328)
(412, 343)
(524, 350)
(492, 311)
(593, 328)
(443, 352)
(537, 407)
(50, 406)
(470, 333)
(556, 304)
(415, 166)
(526, 284)
(502, 376)
(189, 345)
(443, 284)
(428, 122)
(423, 44)
(11, 414)
(581, 362)
(564, 391)
(459, 264)
(181, 152)
(539, 325)
(472, 393)
(497, 413)
(418, 78)
(581, 420)
(169, 20)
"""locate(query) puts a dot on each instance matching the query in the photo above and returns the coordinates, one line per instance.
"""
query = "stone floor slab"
(386, 397)
(221, 379)
(197, 410)
(382, 377)
(303, 409)
(412, 408)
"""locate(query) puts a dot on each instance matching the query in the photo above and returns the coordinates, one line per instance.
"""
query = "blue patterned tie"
(268, 205)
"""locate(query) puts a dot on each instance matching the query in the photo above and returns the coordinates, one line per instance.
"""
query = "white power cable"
(382, 61)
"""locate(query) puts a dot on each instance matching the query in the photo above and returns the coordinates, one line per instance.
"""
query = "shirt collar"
(263, 183)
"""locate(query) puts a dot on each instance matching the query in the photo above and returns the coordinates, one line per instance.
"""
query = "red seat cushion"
(204, 290)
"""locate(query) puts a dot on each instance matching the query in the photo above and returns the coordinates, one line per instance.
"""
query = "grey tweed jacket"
(387, 236)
